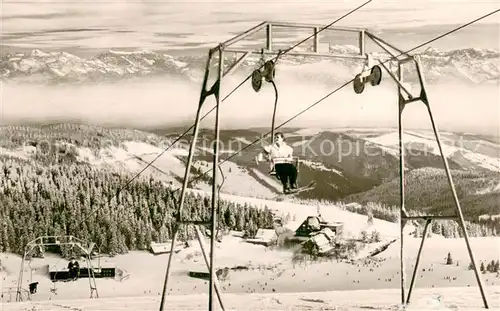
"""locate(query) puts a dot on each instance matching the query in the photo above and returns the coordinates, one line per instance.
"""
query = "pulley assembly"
(268, 72)
(370, 73)
(374, 77)
(256, 80)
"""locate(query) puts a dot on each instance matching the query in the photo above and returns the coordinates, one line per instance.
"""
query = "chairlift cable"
(344, 85)
(226, 97)
(298, 114)
(233, 91)
(274, 111)
(241, 84)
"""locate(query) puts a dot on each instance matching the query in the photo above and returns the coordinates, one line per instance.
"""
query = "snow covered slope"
(455, 298)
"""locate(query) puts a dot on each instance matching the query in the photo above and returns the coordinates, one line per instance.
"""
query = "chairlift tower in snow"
(371, 73)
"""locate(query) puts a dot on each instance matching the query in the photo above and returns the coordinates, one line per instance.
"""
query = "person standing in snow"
(280, 154)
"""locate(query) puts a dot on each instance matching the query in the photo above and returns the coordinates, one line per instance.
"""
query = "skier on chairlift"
(280, 154)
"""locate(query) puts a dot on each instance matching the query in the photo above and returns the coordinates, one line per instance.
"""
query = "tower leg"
(199, 235)
(215, 191)
(461, 221)
(417, 263)
(19, 294)
(186, 178)
(92, 283)
(402, 221)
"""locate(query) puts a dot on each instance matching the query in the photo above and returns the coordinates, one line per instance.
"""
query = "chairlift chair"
(268, 74)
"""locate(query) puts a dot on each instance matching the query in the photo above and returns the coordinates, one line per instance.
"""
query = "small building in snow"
(164, 248)
(353, 206)
(314, 224)
(321, 242)
(264, 237)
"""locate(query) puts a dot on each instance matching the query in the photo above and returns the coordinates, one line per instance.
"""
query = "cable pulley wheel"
(256, 80)
(375, 75)
(358, 84)
(269, 71)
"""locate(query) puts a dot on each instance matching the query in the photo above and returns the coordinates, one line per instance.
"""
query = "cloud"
(166, 102)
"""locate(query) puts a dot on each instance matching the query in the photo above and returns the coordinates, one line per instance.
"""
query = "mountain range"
(471, 65)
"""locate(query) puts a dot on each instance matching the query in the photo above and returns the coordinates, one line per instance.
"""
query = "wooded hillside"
(80, 200)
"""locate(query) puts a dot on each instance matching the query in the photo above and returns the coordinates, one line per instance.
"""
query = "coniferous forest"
(80, 200)
(53, 193)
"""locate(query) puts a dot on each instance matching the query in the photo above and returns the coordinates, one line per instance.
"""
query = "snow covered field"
(272, 281)
(423, 300)
(316, 286)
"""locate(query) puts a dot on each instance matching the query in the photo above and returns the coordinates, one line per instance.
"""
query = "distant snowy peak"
(469, 65)
(110, 65)
(467, 53)
(476, 65)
